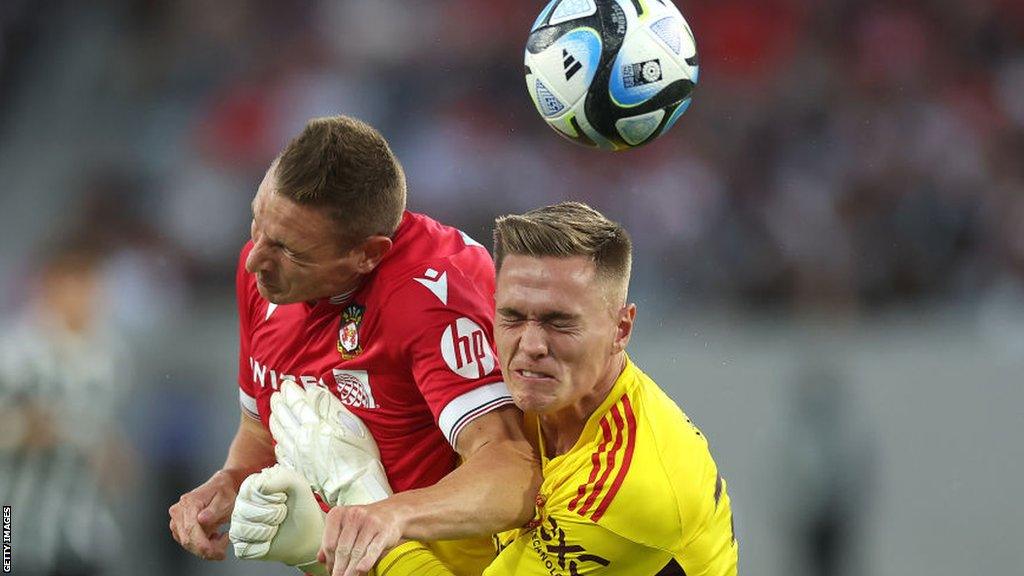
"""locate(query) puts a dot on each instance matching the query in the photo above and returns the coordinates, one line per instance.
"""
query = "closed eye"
(508, 317)
(560, 320)
(565, 327)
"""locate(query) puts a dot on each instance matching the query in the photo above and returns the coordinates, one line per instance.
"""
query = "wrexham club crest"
(348, 337)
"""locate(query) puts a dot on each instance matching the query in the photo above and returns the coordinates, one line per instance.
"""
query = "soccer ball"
(611, 74)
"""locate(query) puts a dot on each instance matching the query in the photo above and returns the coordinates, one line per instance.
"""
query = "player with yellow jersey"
(629, 484)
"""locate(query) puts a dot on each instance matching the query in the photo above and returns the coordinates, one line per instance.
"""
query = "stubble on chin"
(273, 297)
(529, 402)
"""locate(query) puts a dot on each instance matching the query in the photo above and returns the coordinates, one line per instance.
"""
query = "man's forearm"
(251, 451)
(493, 490)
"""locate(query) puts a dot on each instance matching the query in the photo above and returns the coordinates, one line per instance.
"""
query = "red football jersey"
(411, 352)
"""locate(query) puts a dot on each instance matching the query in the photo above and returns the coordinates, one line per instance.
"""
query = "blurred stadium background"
(830, 245)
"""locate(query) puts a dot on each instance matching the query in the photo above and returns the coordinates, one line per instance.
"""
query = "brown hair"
(565, 230)
(345, 166)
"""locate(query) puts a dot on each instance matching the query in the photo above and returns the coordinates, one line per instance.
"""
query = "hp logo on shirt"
(465, 349)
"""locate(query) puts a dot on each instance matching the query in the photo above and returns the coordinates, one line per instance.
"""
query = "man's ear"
(624, 327)
(371, 252)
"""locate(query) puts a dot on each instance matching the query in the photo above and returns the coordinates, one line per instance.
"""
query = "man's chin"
(272, 296)
(532, 402)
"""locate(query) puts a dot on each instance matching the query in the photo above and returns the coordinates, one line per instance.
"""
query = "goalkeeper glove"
(318, 437)
(277, 518)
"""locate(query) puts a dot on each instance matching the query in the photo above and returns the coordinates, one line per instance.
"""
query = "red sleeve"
(244, 289)
(444, 323)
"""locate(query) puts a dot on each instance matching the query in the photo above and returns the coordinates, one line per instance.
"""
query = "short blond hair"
(566, 230)
(346, 167)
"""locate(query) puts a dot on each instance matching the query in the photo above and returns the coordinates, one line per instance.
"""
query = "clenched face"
(297, 253)
(559, 331)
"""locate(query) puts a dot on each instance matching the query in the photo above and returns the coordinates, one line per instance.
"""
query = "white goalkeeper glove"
(277, 518)
(318, 437)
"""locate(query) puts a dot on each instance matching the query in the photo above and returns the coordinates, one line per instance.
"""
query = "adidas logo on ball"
(570, 65)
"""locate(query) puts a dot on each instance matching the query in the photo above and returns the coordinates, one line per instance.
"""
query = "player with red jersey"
(409, 352)
(392, 312)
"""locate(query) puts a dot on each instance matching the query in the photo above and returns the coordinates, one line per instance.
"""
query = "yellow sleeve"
(411, 559)
(713, 550)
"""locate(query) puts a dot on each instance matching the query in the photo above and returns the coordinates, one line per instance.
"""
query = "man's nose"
(533, 341)
(257, 260)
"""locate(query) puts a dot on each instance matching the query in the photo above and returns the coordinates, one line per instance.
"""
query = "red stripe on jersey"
(595, 460)
(619, 429)
(626, 459)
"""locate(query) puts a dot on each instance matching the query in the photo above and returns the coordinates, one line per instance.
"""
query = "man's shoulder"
(422, 242)
(420, 224)
(678, 484)
(660, 466)
(671, 444)
(434, 267)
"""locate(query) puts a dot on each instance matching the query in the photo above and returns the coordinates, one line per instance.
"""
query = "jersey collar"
(344, 296)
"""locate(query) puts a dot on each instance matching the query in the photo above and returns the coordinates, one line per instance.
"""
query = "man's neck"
(562, 429)
(346, 295)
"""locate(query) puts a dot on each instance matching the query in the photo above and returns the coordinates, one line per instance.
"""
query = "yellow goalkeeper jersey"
(638, 494)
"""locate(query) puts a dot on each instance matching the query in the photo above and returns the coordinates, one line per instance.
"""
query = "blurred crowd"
(843, 153)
